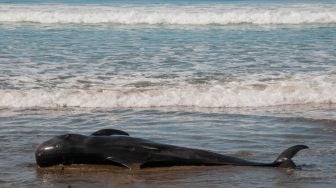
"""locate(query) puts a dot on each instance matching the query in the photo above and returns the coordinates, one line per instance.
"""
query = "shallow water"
(141, 66)
(247, 133)
(243, 78)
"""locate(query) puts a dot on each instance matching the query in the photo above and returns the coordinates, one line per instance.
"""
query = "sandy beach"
(246, 78)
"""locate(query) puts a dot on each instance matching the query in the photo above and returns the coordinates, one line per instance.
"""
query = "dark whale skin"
(114, 147)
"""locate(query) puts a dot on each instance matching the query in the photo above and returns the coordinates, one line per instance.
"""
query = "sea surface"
(247, 78)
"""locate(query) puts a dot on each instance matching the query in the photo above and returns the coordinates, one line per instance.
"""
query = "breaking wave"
(170, 14)
(232, 95)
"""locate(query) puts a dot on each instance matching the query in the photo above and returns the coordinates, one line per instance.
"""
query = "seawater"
(247, 78)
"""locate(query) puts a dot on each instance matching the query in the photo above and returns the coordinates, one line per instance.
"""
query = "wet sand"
(252, 134)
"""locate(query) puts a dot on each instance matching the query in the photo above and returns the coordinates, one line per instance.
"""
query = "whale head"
(55, 151)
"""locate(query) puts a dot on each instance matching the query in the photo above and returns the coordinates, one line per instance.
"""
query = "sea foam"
(233, 94)
(170, 14)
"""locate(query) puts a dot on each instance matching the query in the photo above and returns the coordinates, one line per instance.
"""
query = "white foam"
(232, 94)
(170, 14)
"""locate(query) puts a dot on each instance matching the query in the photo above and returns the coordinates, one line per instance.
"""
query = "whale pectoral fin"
(109, 132)
(118, 162)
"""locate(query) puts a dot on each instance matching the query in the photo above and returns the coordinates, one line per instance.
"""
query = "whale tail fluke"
(285, 158)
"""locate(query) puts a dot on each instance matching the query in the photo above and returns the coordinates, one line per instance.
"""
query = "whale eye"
(68, 136)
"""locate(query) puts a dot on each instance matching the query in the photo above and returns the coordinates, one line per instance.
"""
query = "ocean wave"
(214, 96)
(170, 14)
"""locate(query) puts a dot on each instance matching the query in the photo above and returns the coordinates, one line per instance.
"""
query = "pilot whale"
(116, 147)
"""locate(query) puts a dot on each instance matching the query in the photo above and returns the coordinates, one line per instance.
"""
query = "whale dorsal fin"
(109, 132)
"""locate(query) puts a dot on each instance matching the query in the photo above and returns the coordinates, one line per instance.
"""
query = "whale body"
(116, 147)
